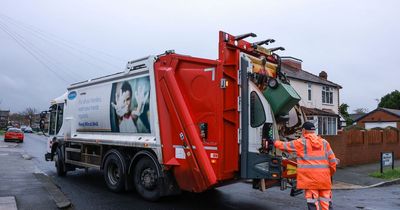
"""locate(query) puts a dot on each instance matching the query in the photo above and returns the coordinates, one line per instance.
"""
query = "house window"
(327, 125)
(327, 95)
(309, 91)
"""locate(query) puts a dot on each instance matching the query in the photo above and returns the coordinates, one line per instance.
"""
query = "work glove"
(120, 106)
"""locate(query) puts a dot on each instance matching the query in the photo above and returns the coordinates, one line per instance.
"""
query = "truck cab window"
(257, 112)
(60, 113)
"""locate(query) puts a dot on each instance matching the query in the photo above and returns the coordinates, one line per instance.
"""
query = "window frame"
(327, 95)
(327, 125)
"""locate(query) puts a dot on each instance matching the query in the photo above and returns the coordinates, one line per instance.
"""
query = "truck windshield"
(56, 118)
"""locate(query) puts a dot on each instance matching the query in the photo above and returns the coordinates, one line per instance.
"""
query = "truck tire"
(114, 171)
(146, 179)
(59, 163)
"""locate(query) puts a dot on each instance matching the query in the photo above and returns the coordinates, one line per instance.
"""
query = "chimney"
(292, 62)
(323, 75)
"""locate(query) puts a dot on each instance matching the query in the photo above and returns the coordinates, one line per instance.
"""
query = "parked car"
(28, 130)
(14, 134)
(23, 127)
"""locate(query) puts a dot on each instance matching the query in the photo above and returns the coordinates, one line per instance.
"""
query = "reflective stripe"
(329, 153)
(325, 199)
(313, 158)
(285, 146)
(312, 166)
(305, 146)
(292, 146)
(310, 200)
(333, 160)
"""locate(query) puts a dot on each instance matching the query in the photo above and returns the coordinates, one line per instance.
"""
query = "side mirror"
(42, 122)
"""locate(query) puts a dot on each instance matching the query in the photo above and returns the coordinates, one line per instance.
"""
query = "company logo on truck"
(72, 95)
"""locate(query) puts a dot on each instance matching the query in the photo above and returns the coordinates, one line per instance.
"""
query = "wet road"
(88, 191)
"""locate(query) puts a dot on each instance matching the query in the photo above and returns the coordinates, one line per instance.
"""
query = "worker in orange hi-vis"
(316, 164)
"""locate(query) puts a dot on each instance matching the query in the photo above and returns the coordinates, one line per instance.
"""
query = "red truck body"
(187, 96)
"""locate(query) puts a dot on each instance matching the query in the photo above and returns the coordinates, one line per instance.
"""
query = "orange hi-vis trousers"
(319, 199)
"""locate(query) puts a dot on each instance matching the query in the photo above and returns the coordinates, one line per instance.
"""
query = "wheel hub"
(113, 174)
(148, 178)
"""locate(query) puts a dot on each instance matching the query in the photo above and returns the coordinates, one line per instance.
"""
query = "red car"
(14, 134)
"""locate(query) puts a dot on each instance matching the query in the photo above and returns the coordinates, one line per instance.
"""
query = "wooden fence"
(355, 147)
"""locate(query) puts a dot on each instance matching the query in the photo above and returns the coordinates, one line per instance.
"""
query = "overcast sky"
(46, 45)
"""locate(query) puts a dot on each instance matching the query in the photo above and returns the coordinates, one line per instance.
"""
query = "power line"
(61, 41)
(46, 38)
(33, 54)
(40, 53)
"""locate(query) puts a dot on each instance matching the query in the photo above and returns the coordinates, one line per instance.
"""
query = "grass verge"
(387, 174)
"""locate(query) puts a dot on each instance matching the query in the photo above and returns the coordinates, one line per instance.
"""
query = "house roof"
(355, 117)
(394, 112)
(294, 73)
(318, 112)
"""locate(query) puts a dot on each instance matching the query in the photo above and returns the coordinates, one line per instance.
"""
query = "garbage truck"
(174, 122)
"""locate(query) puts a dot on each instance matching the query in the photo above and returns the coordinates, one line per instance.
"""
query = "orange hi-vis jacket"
(316, 162)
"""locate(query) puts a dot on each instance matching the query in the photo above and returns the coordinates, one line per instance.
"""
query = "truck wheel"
(59, 163)
(146, 180)
(114, 173)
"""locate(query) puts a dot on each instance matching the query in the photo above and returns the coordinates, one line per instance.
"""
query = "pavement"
(357, 177)
(24, 186)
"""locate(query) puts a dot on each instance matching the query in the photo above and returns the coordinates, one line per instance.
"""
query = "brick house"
(380, 118)
(319, 96)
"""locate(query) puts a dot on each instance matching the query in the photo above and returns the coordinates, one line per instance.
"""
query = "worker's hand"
(141, 97)
(337, 161)
(121, 108)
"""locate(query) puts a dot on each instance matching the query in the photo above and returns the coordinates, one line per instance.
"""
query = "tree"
(16, 118)
(361, 111)
(345, 114)
(29, 114)
(25, 117)
(390, 100)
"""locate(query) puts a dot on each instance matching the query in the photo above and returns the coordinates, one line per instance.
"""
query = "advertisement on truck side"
(121, 107)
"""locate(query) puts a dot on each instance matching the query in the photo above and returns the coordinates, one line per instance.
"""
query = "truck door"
(256, 123)
(52, 120)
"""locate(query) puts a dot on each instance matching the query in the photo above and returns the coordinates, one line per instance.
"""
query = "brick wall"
(355, 147)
